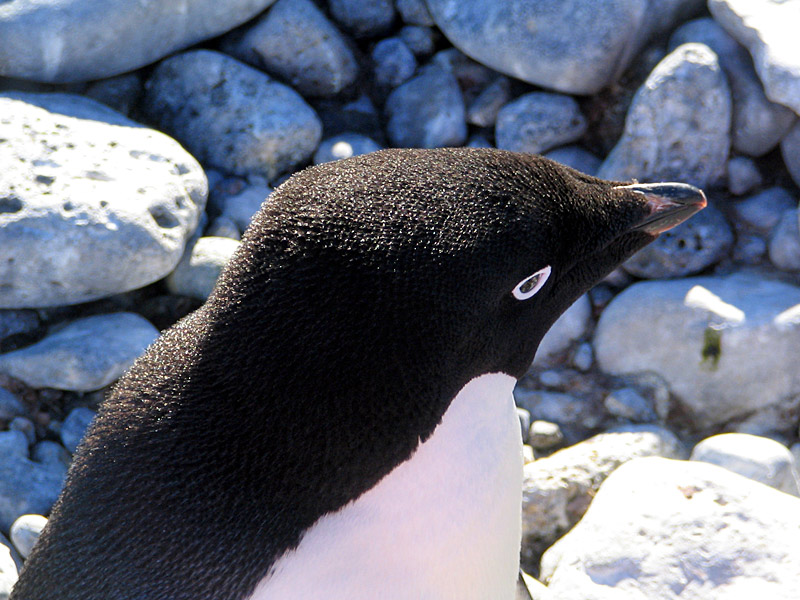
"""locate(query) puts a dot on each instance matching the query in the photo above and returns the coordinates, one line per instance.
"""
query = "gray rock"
(295, 42)
(414, 12)
(743, 175)
(537, 122)
(199, 270)
(10, 405)
(231, 116)
(678, 530)
(420, 40)
(26, 487)
(757, 123)
(51, 453)
(25, 531)
(750, 249)
(9, 569)
(79, 40)
(241, 207)
(483, 109)
(700, 242)
(18, 328)
(790, 149)
(678, 125)
(26, 426)
(223, 227)
(568, 411)
(544, 434)
(74, 427)
(577, 158)
(525, 423)
(427, 111)
(706, 330)
(85, 355)
(763, 210)
(784, 243)
(363, 18)
(478, 141)
(765, 28)
(570, 326)
(344, 145)
(557, 490)
(627, 403)
(758, 458)
(471, 76)
(583, 357)
(569, 46)
(393, 62)
(662, 16)
(120, 93)
(91, 203)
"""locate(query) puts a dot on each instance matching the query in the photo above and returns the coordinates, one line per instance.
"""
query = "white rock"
(676, 530)
(200, 267)
(25, 531)
(8, 570)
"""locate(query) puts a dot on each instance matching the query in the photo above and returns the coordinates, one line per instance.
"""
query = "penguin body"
(336, 420)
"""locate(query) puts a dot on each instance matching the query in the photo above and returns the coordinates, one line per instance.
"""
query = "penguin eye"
(531, 284)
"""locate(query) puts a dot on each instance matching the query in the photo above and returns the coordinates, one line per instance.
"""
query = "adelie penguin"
(336, 422)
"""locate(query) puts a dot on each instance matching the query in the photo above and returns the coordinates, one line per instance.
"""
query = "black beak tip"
(668, 204)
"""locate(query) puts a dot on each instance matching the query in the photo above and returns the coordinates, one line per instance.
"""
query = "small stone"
(197, 273)
(784, 243)
(241, 207)
(52, 453)
(472, 76)
(394, 63)
(544, 435)
(568, 411)
(528, 455)
(551, 378)
(414, 12)
(74, 427)
(9, 568)
(763, 211)
(583, 357)
(750, 249)
(790, 149)
(121, 93)
(539, 121)
(478, 141)
(10, 405)
(25, 531)
(484, 108)
(525, 422)
(743, 175)
(627, 403)
(19, 328)
(427, 111)
(344, 145)
(223, 227)
(686, 249)
(420, 40)
(26, 426)
(577, 158)
(363, 18)
(85, 355)
(758, 458)
(570, 326)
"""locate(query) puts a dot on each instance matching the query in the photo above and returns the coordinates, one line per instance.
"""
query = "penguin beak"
(670, 204)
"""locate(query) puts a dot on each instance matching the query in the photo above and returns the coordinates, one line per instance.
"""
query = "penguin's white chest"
(444, 524)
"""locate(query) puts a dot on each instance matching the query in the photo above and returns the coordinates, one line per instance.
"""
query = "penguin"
(337, 420)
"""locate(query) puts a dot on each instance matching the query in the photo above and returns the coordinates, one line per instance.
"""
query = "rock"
(765, 28)
(26, 487)
(91, 203)
(472, 76)
(10, 405)
(420, 40)
(574, 415)
(557, 490)
(363, 18)
(757, 123)
(537, 122)
(79, 40)
(627, 403)
(758, 458)
(484, 108)
(743, 175)
(241, 207)
(543, 435)
(344, 145)
(577, 158)
(414, 12)
(9, 569)
(679, 530)
(583, 357)
(52, 453)
(687, 249)
(231, 116)
(223, 227)
(790, 149)
(24, 425)
(706, 329)
(295, 42)
(121, 93)
(85, 355)
(354, 116)
(750, 249)
(394, 62)
(763, 211)
(678, 125)
(18, 328)
(784, 243)
(427, 111)
(74, 427)
(25, 531)
(570, 326)
(524, 422)
(199, 270)
(569, 46)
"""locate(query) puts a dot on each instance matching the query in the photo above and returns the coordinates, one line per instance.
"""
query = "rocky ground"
(137, 141)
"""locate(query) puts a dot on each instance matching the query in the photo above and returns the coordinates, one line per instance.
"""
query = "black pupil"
(529, 284)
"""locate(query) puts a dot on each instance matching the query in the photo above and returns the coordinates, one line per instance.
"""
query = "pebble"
(393, 62)
(427, 111)
(414, 12)
(232, 116)
(539, 121)
(627, 403)
(763, 211)
(692, 246)
(483, 109)
(241, 207)
(363, 18)
(552, 378)
(19, 328)
(790, 150)
(9, 569)
(784, 243)
(478, 141)
(296, 42)
(750, 249)
(707, 329)
(223, 227)
(74, 427)
(197, 273)
(544, 435)
(570, 326)
(766, 29)
(758, 458)
(743, 175)
(583, 357)
(85, 190)
(344, 145)
(26, 426)
(757, 123)
(677, 530)
(575, 157)
(557, 490)
(61, 42)
(420, 40)
(573, 414)
(53, 453)
(121, 93)
(10, 405)
(25, 531)
(678, 125)
(86, 354)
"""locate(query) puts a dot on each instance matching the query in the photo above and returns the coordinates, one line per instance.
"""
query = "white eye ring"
(531, 284)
